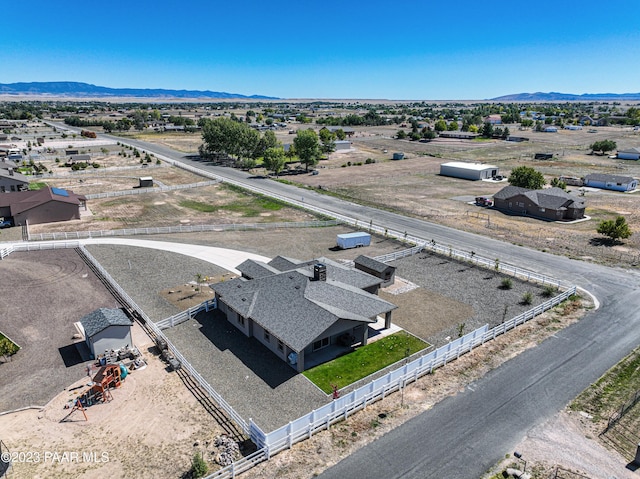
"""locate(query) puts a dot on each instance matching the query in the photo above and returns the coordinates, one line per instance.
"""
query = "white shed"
(468, 171)
(106, 329)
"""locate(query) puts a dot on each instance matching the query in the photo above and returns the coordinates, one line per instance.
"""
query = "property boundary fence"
(178, 229)
(340, 409)
(141, 191)
(6, 251)
(96, 171)
(616, 416)
(186, 315)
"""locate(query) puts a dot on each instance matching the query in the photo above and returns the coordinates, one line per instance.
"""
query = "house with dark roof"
(106, 329)
(384, 271)
(41, 206)
(11, 180)
(553, 204)
(305, 312)
(610, 182)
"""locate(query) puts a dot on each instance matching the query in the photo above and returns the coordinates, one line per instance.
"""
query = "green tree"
(603, 146)
(223, 136)
(274, 159)
(453, 126)
(440, 125)
(307, 147)
(340, 134)
(487, 130)
(401, 135)
(327, 139)
(615, 229)
(526, 177)
(268, 140)
(557, 183)
(7, 348)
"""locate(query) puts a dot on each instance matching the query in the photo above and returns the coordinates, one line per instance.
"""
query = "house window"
(267, 336)
(13, 188)
(280, 346)
(542, 210)
(521, 205)
(321, 343)
(241, 320)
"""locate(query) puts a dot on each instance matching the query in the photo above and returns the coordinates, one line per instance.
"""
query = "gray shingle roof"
(509, 192)
(102, 318)
(551, 198)
(256, 269)
(372, 264)
(296, 309)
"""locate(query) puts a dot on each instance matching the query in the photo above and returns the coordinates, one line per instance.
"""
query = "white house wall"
(113, 337)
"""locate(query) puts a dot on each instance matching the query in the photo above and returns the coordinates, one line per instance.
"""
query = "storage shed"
(106, 329)
(342, 145)
(146, 181)
(468, 171)
(376, 268)
(398, 155)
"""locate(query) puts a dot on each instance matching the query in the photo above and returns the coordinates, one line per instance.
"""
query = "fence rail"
(156, 330)
(6, 251)
(178, 229)
(186, 315)
(616, 416)
(141, 191)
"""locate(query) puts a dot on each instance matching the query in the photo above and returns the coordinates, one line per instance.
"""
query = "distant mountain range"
(77, 89)
(554, 96)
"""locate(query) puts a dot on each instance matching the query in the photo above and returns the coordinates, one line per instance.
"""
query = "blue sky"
(328, 49)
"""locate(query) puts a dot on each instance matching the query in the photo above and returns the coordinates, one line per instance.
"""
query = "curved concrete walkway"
(223, 257)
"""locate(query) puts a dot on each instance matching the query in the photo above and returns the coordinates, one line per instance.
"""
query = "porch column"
(365, 336)
(387, 320)
(300, 364)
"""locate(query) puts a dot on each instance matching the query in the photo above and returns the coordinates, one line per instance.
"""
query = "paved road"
(465, 435)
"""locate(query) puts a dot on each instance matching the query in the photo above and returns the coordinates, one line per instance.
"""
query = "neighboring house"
(468, 171)
(71, 152)
(347, 131)
(11, 180)
(41, 206)
(376, 268)
(550, 129)
(306, 313)
(6, 164)
(106, 329)
(553, 204)
(629, 154)
(493, 120)
(461, 135)
(573, 127)
(610, 182)
(79, 158)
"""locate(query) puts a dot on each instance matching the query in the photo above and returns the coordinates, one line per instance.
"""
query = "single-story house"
(550, 129)
(306, 313)
(493, 119)
(41, 206)
(347, 131)
(106, 329)
(7, 164)
(71, 151)
(629, 154)
(551, 204)
(461, 135)
(610, 182)
(468, 171)
(11, 180)
(573, 127)
(376, 268)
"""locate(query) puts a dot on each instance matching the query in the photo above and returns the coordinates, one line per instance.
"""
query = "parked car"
(5, 223)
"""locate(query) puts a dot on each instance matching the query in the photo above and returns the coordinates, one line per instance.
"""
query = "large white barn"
(468, 171)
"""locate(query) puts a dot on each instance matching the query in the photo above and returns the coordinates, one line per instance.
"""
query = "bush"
(527, 298)
(506, 283)
(549, 291)
(199, 467)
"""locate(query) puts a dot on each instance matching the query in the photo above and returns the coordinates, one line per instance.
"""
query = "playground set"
(113, 369)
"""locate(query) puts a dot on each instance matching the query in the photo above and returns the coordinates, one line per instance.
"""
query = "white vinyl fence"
(341, 408)
(178, 229)
(186, 315)
(142, 191)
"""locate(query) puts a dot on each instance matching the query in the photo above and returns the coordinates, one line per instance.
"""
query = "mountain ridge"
(556, 96)
(80, 89)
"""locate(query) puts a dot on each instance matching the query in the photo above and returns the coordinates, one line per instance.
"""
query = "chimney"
(319, 272)
(10, 171)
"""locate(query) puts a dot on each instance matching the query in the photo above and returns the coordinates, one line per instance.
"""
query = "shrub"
(549, 291)
(527, 298)
(199, 467)
(506, 283)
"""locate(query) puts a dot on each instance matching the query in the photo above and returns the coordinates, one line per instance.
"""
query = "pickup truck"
(5, 223)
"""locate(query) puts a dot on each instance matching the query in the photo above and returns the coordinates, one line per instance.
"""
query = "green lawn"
(37, 186)
(199, 206)
(363, 361)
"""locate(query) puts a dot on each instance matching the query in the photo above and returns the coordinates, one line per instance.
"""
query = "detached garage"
(630, 154)
(468, 171)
